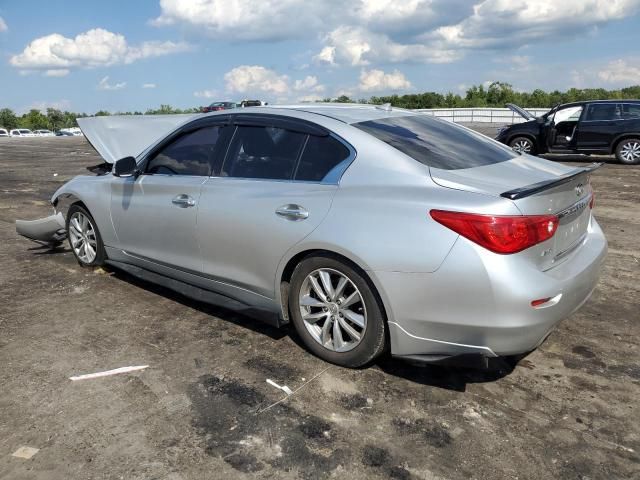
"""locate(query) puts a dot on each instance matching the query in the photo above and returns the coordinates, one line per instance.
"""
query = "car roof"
(585, 102)
(344, 112)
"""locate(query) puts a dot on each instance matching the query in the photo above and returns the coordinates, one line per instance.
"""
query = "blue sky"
(134, 55)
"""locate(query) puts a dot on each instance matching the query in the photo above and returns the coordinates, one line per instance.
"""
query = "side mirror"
(125, 167)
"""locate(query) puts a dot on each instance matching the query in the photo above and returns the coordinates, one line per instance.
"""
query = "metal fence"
(480, 115)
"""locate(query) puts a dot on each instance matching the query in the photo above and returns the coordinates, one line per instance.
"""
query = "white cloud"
(3, 25)
(57, 72)
(205, 94)
(379, 81)
(105, 85)
(255, 79)
(358, 46)
(148, 85)
(63, 104)
(94, 48)
(620, 71)
(308, 84)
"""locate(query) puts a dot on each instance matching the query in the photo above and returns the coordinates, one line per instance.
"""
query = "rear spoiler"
(532, 189)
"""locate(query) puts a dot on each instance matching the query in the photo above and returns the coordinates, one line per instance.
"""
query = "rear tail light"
(592, 202)
(500, 234)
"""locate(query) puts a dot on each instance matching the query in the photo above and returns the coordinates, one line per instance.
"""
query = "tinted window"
(263, 152)
(630, 110)
(320, 156)
(437, 143)
(602, 111)
(191, 154)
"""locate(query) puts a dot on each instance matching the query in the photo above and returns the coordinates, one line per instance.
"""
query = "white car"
(75, 131)
(21, 132)
(43, 133)
(3, 132)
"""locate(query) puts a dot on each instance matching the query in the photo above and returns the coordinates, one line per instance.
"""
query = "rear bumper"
(479, 303)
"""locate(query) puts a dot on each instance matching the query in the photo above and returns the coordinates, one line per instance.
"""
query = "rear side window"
(320, 156)
(630, 110)
(602, 111)
(437, 143)
(191, 154)
(263, 152)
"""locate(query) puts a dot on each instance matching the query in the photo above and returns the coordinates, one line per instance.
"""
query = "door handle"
(292, 212)
(183, 201)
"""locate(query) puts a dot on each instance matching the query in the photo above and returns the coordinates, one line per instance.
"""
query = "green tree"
(34, 120)
(8, 119)
(55, 118)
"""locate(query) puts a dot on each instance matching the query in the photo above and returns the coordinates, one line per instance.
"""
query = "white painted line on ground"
(284, 388)
(115, 371)
(25, 452)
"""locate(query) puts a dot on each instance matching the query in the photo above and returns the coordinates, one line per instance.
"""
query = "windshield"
(437, 143)
(24, 131)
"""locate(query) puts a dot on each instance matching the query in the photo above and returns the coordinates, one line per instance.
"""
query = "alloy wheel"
(83, 237)
(332, 309)
(522, 146)
(630, 152)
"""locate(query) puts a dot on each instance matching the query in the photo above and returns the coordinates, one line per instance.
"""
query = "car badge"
(579, 189)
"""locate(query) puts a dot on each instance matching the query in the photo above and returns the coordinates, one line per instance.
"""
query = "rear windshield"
(437, 143)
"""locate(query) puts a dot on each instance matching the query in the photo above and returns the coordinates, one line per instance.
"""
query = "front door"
(274, 189)
(600, 125)
(154, 215)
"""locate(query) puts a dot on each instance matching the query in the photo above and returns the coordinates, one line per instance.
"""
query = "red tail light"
(500, 234)
(592, 202)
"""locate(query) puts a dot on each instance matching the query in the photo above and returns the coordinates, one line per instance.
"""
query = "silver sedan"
(371, 229)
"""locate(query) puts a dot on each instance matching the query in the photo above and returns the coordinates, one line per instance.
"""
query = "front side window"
(602, 111)
(320, 156)
(263, 152)
(190, 154)
(437, 143)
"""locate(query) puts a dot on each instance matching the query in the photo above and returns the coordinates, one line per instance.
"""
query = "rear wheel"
(336, 312)
(628, 151)
(84, 237)
(523, 145)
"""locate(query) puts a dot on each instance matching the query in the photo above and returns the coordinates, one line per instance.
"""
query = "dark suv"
(593, 127)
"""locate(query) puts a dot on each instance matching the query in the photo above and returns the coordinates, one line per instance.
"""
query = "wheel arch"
(289, 264)
(620, 138)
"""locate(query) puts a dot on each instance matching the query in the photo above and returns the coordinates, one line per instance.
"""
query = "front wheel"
(523, 145)
(84, 237)
(628, 151)
(336, 312)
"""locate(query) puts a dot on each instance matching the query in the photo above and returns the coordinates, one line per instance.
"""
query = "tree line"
(497, 94)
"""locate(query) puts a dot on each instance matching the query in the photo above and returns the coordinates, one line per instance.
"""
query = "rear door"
(599, 125)
(154, 214)
(274, 188)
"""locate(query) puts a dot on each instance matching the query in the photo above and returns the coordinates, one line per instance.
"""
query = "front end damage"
(47, 231)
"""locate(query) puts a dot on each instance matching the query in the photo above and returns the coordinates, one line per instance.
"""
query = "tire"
(523, 145)
(83, 232)
(628, 151)
(353, 306)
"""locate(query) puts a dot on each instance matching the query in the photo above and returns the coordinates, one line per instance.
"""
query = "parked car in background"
(4, 132)
(609, 127)
(43, 133)
(21, 132)
(217, 106)
(64, 133)
(251, 103)
(370, 229)
(73, 131)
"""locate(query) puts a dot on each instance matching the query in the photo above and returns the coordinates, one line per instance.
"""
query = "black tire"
(100, 254)
(374, 340)
(518, 145)
(631, 145)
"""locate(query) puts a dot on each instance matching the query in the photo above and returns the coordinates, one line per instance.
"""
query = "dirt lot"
(204, 410)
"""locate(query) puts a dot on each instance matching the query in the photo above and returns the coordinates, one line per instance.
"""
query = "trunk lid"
(569, 198)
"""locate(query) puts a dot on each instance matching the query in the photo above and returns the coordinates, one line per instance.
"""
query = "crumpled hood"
(118, 136)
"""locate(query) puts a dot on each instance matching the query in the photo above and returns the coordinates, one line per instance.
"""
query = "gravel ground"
(203, 408)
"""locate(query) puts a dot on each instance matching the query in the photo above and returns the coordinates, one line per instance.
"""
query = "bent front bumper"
(479, 303)
(50, 230)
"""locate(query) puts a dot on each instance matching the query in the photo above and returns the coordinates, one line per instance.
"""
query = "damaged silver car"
(371, 229)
